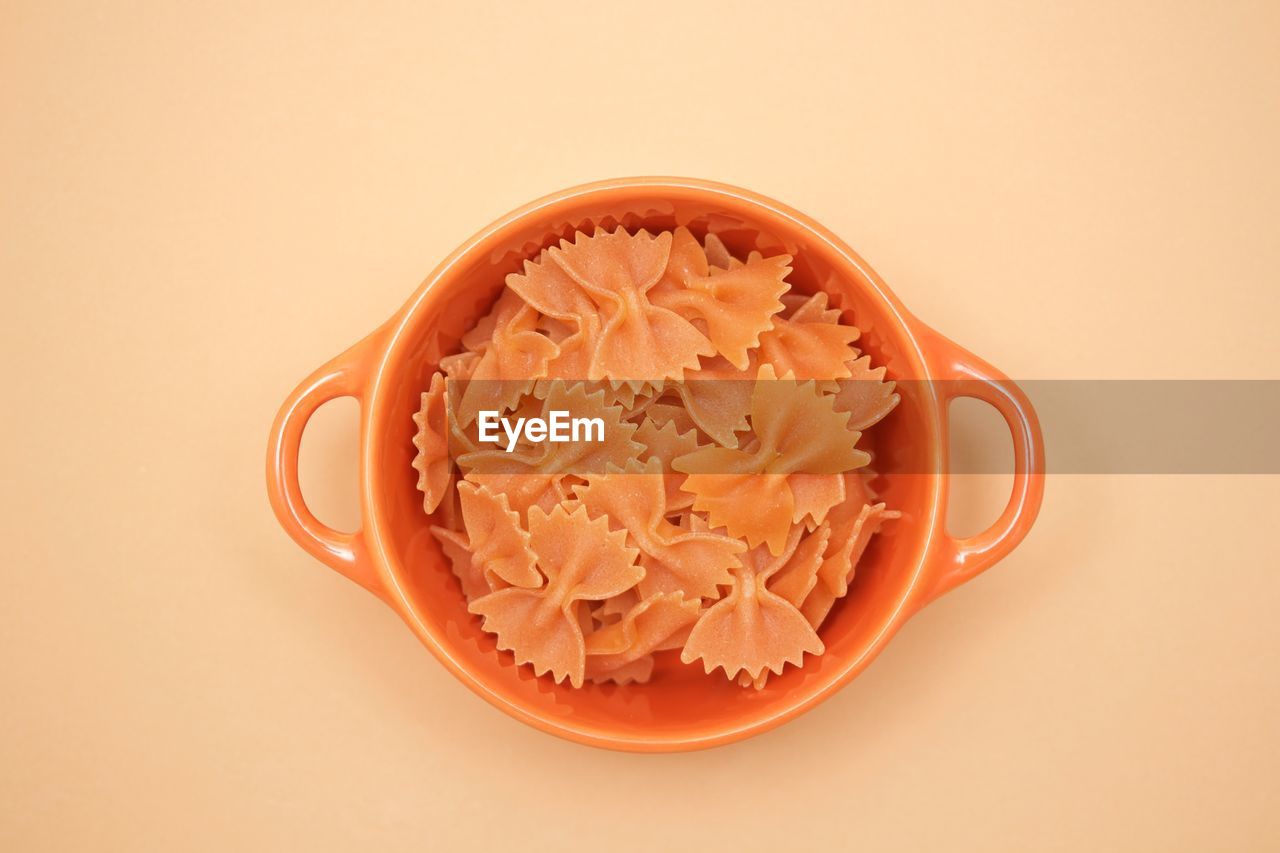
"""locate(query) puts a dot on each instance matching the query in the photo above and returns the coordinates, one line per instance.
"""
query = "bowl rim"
(394, 335)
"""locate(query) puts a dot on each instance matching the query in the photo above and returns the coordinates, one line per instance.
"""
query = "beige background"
(197, 206)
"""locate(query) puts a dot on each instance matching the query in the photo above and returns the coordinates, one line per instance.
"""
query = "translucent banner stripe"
(1090, 426)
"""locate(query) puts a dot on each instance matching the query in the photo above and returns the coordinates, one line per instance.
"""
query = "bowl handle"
(345, 376)
(960, 373)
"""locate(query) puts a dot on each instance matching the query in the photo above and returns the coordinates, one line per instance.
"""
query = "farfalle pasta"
(715, 503)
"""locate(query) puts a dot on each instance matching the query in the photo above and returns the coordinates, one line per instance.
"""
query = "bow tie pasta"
(720, 513)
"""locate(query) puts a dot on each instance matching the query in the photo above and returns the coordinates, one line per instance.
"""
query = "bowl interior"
(681, 706)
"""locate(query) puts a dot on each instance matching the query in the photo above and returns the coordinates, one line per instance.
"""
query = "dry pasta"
(722, 512)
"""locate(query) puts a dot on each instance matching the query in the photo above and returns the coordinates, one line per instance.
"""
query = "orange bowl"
(910, 563)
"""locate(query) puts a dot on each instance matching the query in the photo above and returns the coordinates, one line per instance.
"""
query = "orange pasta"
(715, 504)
